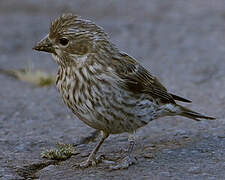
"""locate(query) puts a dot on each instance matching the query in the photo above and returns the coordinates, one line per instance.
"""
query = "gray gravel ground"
(180, 41)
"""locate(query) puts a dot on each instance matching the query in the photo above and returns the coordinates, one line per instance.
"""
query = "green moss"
(37, 77)
(61, 152)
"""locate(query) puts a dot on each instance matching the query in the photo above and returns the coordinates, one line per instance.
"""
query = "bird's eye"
(63, 41)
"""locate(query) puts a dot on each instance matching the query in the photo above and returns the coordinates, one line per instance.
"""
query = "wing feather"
(135, 78)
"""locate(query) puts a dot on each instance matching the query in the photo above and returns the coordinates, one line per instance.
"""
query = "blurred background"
(180, 41)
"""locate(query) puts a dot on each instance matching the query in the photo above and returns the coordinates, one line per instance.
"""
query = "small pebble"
(148, 155)
(167, 151)
(48, 168)
(180, 132)
(165, 174)
(194, 170)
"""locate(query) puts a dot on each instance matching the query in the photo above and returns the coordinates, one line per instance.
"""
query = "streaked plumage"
(104, 87)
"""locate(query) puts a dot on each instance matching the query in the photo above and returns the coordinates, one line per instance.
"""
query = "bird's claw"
(125, 163)
(91, 161)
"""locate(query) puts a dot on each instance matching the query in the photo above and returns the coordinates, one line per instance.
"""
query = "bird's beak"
(44, 45)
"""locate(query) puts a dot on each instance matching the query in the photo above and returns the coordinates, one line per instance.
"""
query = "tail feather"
(178, 98)
(193, 115)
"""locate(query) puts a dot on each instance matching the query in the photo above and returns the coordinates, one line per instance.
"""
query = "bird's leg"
(129, 159)
(92, 161)
(131, 145)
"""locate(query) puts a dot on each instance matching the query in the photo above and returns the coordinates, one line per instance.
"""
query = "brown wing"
(137, 79)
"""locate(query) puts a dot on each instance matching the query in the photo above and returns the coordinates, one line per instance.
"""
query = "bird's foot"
(125, 163)
(91, 161)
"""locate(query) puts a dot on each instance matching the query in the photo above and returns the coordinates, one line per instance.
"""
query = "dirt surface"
(180, 41)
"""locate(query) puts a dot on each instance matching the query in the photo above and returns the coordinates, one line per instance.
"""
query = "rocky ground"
(180, 41)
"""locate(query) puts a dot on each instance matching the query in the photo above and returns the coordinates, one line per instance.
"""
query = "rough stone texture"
(180, 41)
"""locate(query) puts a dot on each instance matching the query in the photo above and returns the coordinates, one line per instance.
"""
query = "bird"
(104, 87)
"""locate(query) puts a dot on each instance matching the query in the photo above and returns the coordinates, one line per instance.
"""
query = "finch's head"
(70, 37)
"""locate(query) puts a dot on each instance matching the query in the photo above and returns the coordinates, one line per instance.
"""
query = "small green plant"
(61, 152)
(37, 77)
